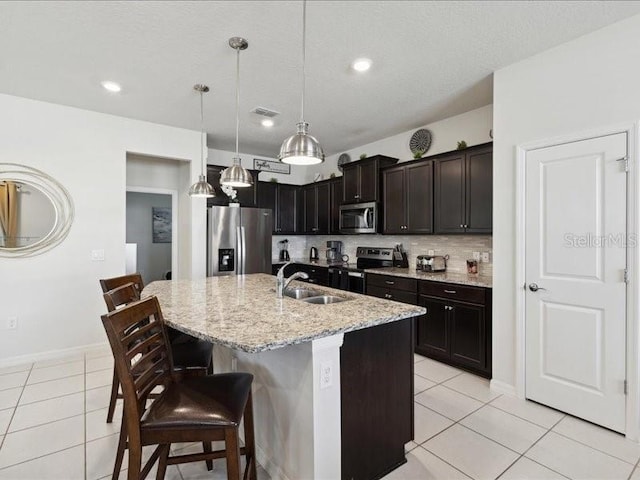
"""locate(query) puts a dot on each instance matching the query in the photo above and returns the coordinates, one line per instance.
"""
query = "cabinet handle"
(461, 226)
(449, 291)
(387, 295)
(389, 282)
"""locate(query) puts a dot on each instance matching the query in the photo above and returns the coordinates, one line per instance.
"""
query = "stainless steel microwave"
(359, 218)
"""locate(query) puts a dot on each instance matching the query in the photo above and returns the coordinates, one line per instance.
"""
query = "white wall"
(581, 85)
(297, 176)
(472, 127)
(56, 295)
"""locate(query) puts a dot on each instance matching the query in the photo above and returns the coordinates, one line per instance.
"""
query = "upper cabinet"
(407, 196)
(463, 191)
(361, 179)
(335, 192)
(286, 202)
(317, 208)
(247, 196)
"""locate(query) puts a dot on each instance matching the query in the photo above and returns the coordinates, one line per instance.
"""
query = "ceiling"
(431, 60)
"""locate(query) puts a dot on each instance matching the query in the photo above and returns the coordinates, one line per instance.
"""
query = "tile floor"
(52, 427)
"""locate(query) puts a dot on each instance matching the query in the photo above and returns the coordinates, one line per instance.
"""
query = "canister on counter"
(472, 266)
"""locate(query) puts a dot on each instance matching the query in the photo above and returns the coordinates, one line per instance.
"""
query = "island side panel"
(376, 367)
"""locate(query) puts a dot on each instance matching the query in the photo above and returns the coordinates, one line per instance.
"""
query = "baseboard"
(50, 355)
(274, 471)
(502, 387)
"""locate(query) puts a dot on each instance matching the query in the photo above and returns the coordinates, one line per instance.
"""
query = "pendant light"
(236, 175)
(202, 188)
(302, 148)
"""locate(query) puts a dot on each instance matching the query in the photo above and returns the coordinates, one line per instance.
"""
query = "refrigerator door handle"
(242, 254)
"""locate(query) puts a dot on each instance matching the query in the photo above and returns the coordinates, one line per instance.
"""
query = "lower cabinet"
(394, 288)
(457, 326)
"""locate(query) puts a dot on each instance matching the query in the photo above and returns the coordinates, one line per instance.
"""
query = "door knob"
(534, 287)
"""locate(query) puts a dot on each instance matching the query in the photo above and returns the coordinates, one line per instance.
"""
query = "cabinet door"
(267, 193)
(479, 191)
(449, 194)
(433, 328)
(368, 182)
(213, 177)
(247, 196)
(336, 199)
(351, 184)
(323, 208)
(468, 335)
(310, 209)
(393, 200)
(419, 198)
(288, 206)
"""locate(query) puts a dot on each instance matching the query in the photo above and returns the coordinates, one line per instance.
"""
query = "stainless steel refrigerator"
(238, 240)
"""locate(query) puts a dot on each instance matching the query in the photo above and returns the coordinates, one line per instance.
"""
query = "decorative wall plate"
(420, 141)
(342, 159)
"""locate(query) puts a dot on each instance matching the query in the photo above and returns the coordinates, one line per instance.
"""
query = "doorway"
(575, 277)
(150, 232)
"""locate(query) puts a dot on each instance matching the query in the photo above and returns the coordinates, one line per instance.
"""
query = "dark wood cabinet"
(317, 208)
(407, 197)
(361, 179)
(335, 192)
(318, 275)
(463, 191)
(285, 201)
(247, 196)
(457, 326)
(376, 399)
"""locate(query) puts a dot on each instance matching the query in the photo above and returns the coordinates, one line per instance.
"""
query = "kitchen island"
(333, 383)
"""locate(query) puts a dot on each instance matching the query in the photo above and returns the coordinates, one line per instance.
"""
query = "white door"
(575, 280)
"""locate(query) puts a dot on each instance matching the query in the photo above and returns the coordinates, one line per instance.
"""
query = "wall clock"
(342, 159)
(420, 141)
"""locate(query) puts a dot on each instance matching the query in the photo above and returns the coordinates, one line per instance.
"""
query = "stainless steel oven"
(359, 218)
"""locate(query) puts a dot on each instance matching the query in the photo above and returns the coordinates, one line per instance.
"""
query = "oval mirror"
(36, 211)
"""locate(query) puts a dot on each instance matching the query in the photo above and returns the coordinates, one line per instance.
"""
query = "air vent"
(265, 112)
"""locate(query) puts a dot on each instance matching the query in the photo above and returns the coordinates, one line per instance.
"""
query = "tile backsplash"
(458, 247)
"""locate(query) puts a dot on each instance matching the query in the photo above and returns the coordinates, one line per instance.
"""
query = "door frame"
(632, 129)
(174, 221)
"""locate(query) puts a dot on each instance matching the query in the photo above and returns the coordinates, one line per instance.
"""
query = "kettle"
(313, 254)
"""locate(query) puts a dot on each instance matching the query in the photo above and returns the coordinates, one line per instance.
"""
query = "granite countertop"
(243, 313)
(448, 277)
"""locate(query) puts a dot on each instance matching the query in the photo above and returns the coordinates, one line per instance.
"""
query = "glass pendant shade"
(201, 188)
(236, 175)
(301, 148)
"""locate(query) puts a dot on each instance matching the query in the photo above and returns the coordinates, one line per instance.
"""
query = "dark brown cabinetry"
(317, 208)
(377, 415)
(361, 179)
(407, 196)
(247, 196)
(457, 326)
(394, 288)
(463, 191)
(335, 192)
(286, 202)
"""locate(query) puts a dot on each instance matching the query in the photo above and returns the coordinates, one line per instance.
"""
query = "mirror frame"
(57, 195)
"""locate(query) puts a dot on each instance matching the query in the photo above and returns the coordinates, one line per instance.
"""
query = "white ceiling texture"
(431, 60)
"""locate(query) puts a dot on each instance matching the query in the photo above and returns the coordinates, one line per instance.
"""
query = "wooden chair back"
(115, 282)
(120, 296)
(141, 352)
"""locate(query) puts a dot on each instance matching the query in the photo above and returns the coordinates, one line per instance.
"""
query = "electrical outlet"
(12, 323)
(485, 257)
(97, 255)
(326, 375)
(431, 252)
(476, 256)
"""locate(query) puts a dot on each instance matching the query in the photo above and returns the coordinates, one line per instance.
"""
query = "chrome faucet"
(281, 282)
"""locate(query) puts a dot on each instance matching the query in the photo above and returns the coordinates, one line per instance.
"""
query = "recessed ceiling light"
(361, 64)
(111, 86)
(267, 122)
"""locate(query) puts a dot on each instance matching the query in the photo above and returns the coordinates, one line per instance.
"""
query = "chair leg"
(122, 445)
(135, 462)
(206, 446)
(232, 446)
(162, 462)
(249, 440)
(115, 385)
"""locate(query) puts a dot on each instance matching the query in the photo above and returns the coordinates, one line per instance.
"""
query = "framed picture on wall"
(161, 224)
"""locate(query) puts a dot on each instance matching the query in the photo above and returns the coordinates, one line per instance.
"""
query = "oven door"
(355, 281)
(359, 218)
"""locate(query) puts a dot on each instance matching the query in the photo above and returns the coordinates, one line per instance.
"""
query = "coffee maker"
(334, 251)
(284, 254)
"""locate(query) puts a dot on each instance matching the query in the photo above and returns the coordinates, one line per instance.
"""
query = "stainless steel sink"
(324, 299)
(301, 293)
